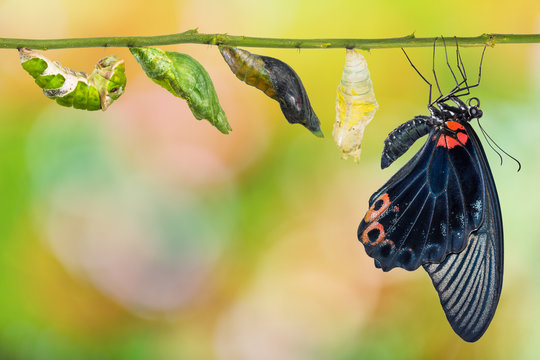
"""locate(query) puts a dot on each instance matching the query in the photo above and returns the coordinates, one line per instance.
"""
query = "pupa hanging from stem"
(355, 105)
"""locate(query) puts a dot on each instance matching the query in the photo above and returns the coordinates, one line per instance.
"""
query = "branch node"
(490, 41)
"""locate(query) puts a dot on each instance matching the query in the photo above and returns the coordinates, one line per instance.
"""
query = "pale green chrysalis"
(185, 77)
(73, 88)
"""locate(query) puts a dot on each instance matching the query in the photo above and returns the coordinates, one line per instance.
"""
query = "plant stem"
(193, 37)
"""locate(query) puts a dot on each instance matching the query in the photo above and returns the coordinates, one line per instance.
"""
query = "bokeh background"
(141, 233)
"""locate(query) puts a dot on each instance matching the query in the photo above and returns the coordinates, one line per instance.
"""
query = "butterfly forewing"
(469, 283)
(429, 208)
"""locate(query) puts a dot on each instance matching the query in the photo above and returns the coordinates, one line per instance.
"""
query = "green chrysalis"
(185, 77)
(73, 88)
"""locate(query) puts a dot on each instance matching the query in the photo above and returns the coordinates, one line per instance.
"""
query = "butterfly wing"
(469, 283)
(429, 208)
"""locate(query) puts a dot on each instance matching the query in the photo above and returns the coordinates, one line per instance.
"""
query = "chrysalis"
(72, 88)
(186, 78)
(355, 105)
(277, 80)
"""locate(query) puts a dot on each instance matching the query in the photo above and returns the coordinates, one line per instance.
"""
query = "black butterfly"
(441, 211)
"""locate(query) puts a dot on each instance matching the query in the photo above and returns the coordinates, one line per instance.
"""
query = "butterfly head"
(474, 108)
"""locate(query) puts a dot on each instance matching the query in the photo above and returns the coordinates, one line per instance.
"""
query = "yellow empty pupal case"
(355, 105)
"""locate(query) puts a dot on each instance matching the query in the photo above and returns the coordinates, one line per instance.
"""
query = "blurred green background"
(141, 233)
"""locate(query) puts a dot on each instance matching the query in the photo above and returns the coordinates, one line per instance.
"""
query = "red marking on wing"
(463, 137)
(448, 142)
(373, 226)
(454, 125)
(458, 139)
(373, 214)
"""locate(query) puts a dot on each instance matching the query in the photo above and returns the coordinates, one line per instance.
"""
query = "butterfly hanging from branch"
(441, 209)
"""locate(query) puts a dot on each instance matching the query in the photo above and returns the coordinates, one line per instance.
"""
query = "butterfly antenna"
(489, 140)
(418, 72)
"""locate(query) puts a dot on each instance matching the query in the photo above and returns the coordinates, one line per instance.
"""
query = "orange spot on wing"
(373, 214)
(454, 125)
(442, 141)
(450, 142)
(458, 139)
(373, 226)
(463, 137)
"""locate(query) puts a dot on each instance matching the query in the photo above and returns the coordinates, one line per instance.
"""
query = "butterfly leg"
(418, 72)
(435, 74)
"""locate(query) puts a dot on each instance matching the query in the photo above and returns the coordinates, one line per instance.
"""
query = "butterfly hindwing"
(429, 208)
(469, 283)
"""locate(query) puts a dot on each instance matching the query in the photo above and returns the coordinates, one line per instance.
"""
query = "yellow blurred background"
(141, 233)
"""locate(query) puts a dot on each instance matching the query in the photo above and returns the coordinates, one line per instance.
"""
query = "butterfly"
(441, 211)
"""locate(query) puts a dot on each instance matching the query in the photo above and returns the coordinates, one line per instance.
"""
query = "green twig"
(193, 37)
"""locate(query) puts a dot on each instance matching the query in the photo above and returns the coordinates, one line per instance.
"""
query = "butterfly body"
(441, 211)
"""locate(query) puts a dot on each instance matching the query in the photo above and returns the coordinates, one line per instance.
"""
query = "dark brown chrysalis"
(277, 80)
